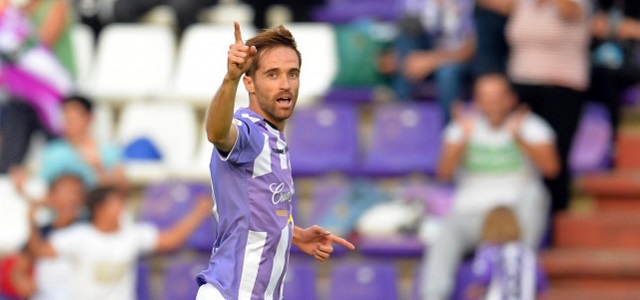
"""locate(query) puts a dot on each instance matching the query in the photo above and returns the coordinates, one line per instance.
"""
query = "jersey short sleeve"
(536, 131)
(248, 144)
(453, 133)
(146, 235)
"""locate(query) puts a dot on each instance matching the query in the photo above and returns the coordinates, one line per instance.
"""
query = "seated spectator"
(436, 40)
(504, 266)
(616, 53)
(104, 251)
(498, 154)
(77, 152)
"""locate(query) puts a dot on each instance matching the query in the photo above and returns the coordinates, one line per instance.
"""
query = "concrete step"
(598, 230)
(603, 268)
(582, 293)
(628, 150)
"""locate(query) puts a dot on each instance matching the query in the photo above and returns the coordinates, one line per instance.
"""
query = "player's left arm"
(317, 241)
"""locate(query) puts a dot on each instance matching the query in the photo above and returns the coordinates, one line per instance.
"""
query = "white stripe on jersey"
(252, 256)
(278, 263)
(262, 164)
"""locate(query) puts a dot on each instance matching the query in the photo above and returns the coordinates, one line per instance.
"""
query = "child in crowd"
(504, 266)
(105, 251)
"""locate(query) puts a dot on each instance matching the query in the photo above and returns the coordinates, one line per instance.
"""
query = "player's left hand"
(318, 242)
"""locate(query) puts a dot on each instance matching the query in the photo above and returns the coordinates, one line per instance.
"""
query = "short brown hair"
(500, 226)
(269, 39)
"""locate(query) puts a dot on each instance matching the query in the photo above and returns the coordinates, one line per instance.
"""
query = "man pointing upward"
(251, 173)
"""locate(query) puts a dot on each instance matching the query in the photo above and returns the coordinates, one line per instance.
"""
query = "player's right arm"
(219, 129)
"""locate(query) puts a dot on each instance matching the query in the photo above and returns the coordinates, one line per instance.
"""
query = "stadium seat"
(202, 63)
(171, 127)
(226, 12)
(592, 143)
(164, 204)
(133, 62)
(317, 43)
(323, 139)
(83, 50)
(143, 278)
(180, 277)
(300, 282)
(102, 123)
(365, 280)
(405, 139)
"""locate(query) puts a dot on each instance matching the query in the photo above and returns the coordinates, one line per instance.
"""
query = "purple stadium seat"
(349, 96)
(143, 292)
(592, 142)
(344, 11)
(325, 196)
(323, 139)
(300, 282)
(180, 278)
(392, 246)
(406, 139)
(631, 96)
(164, 204)
(366, 280)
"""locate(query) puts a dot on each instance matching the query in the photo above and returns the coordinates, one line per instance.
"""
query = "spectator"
(437, 42)
(492, 50)
(548, 65)
(504, 266)
(77, 152)
(62, 207)
(34, 80)
(616, 56)
(104, 251)
(499, 155)
(52, 18)
(65, 202)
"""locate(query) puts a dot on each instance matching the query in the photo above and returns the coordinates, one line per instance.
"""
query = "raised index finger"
(342, 242)
(237, 32)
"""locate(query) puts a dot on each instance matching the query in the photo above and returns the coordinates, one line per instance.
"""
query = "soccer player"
(251, 173)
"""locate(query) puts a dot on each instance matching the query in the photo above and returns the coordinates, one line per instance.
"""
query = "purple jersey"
(509, 272)
(252, 192)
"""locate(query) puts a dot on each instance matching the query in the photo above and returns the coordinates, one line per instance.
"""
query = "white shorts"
(208, 292)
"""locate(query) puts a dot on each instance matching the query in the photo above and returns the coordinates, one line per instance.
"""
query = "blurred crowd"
(528, 66)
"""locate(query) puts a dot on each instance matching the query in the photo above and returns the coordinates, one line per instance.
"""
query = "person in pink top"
(549, 67)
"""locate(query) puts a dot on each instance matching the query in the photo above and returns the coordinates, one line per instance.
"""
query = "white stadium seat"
(317, 43)
(172, 129)
(134, 61)
(202, 63)
(83, 43)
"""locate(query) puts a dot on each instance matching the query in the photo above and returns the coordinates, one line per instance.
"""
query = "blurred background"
(378, 83)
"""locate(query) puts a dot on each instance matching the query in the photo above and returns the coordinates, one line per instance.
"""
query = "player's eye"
(272, 75)
(294, 74)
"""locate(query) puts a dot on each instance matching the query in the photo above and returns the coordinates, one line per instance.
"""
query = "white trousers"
(208, 292)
